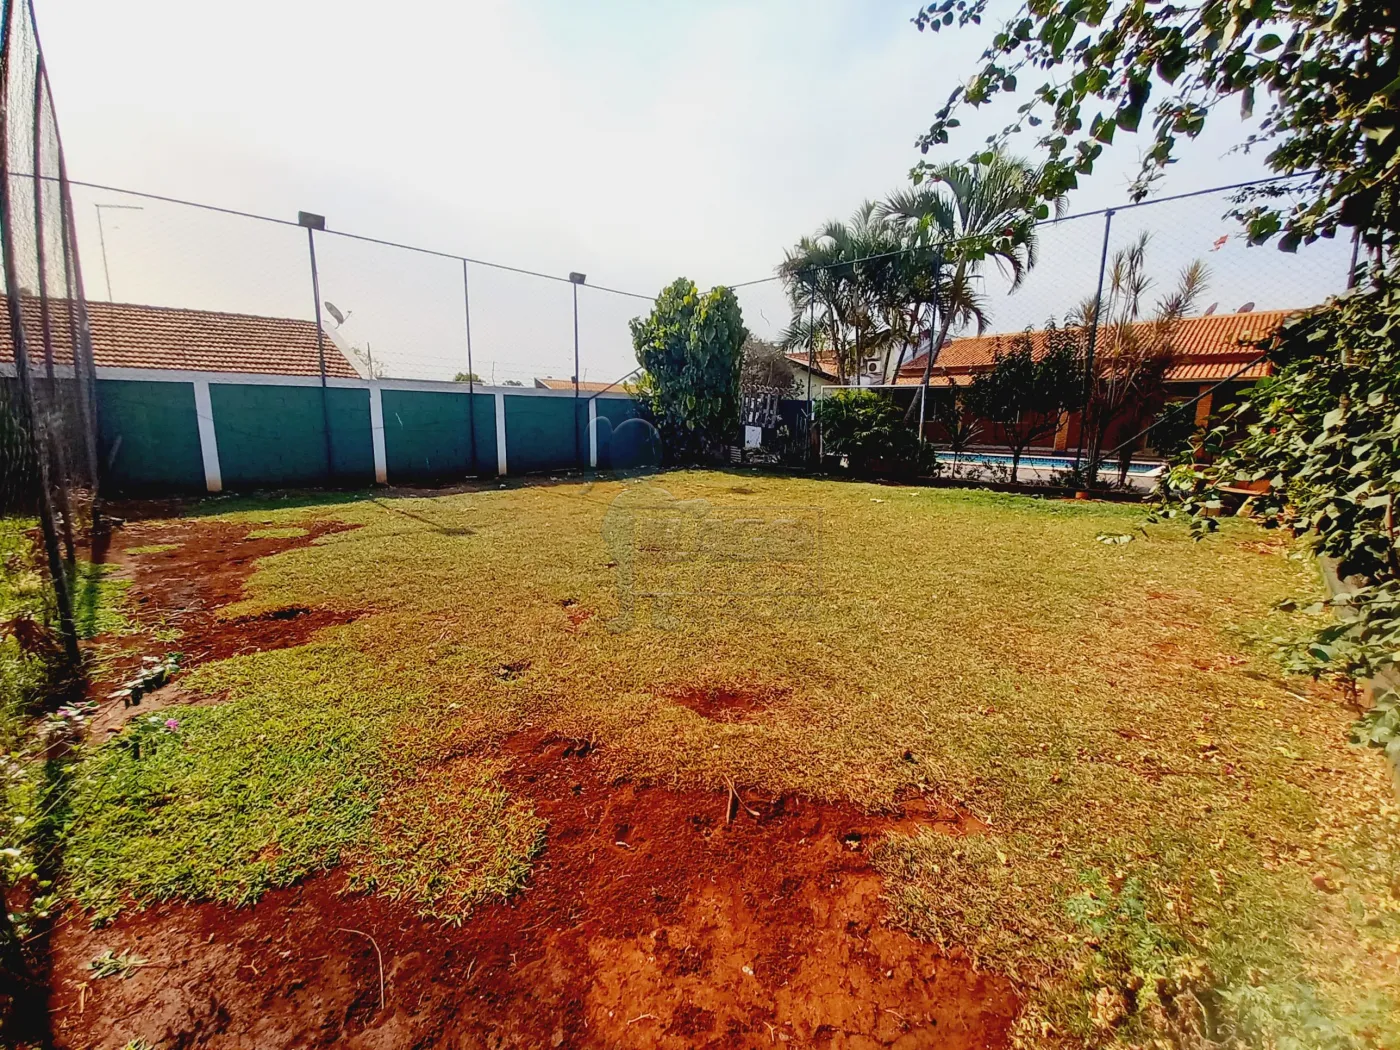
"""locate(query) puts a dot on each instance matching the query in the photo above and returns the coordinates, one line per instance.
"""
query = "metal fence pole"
(1089, 356)
(471, 376)
(313, 223)
(811, 366)
(576, 279)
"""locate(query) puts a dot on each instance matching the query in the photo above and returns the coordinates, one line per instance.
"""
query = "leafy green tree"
(1026, 396)
(466, 377)
(1328, 69)
(690, 349)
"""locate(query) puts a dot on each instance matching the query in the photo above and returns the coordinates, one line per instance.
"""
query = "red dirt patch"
(724, 703)
(650, 921)
(185, 587)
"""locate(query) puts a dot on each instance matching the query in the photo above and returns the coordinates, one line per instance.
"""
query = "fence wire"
(48, 406)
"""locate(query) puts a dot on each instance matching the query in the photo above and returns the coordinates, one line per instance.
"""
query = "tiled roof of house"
(825, 363)
(585, 387)
(1209, 349)
(125, 335)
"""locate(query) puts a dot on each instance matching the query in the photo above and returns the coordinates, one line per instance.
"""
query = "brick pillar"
(1203, 408)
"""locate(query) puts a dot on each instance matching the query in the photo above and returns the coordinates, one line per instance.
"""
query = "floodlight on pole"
(314, 222)
(102, 239)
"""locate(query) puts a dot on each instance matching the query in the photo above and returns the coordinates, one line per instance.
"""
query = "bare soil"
(726, 703)
(655, 917)
(652, 919)
(183, 590)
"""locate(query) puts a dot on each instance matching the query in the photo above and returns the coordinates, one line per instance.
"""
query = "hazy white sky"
(635, 140)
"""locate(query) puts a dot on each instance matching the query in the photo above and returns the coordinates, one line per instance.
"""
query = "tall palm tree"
(841, 283)
(966, 214)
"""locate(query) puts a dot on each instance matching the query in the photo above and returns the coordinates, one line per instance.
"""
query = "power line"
(351, 236)
(1043, 222)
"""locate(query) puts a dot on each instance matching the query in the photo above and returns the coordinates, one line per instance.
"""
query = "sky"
(635, 141)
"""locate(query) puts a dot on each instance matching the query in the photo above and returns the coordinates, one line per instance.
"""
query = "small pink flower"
(172, 724)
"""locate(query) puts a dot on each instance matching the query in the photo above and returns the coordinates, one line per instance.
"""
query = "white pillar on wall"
(593, 432)
(501, 434)
(208, 442)
(376, 430)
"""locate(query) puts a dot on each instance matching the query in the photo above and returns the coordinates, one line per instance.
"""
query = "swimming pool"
(1041, 462)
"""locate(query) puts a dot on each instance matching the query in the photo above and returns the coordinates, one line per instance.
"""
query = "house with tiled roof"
(127, 335)
(1214, 356)
(1208, 350)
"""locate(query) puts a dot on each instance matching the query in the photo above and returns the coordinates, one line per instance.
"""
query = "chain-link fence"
(393, 311)
(48, 439)
(1155, 309)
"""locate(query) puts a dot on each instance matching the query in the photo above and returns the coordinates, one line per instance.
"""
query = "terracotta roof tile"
(826, 363)
(587, 386)
(126, 335)
(1221, 338)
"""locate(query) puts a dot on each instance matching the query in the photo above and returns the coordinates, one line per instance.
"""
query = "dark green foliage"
(1330, 70)
(1174, 432)
(1324, 430)
(868, 430)
(1029, 397)
(690, 349)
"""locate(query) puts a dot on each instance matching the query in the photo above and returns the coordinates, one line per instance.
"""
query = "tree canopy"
(690, 349)
(1327, 70)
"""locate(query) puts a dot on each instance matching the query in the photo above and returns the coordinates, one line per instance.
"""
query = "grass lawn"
(1168, 827)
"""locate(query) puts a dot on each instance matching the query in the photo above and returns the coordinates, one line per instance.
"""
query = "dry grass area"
(1178, 845)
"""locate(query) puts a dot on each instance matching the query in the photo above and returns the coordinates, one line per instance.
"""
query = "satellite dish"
(334, 312)
(1246, 307)
(1210, 309)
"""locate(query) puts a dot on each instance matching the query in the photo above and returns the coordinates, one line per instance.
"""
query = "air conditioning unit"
(872, 367)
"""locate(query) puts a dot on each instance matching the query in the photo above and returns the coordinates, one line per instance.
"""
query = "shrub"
(868, 430)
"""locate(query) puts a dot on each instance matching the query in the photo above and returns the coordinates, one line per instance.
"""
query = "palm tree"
(841, 283)
(966, 214)
(1131, 353)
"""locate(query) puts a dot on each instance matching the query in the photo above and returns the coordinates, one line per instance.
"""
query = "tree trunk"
(933, 350)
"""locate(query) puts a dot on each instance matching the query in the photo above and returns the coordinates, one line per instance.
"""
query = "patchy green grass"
(1179, 840)
(286, 532)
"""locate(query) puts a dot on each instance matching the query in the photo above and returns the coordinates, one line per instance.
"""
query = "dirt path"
(654, 918)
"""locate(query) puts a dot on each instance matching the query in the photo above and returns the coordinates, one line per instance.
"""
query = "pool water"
(995, 459)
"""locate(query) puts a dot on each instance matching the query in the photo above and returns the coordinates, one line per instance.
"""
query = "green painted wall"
(159, 434)
(272, 435)
(612, 413)
(540, 433)
(428, 435)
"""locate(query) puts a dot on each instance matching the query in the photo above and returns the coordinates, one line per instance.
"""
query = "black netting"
(49, 467)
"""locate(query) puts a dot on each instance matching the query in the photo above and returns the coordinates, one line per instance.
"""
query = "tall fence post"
(811, 366)
(314, 222)
(471, 376)
(1089, 356)
(576, 279)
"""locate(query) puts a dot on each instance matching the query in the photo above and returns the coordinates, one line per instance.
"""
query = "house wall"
(177, 431)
